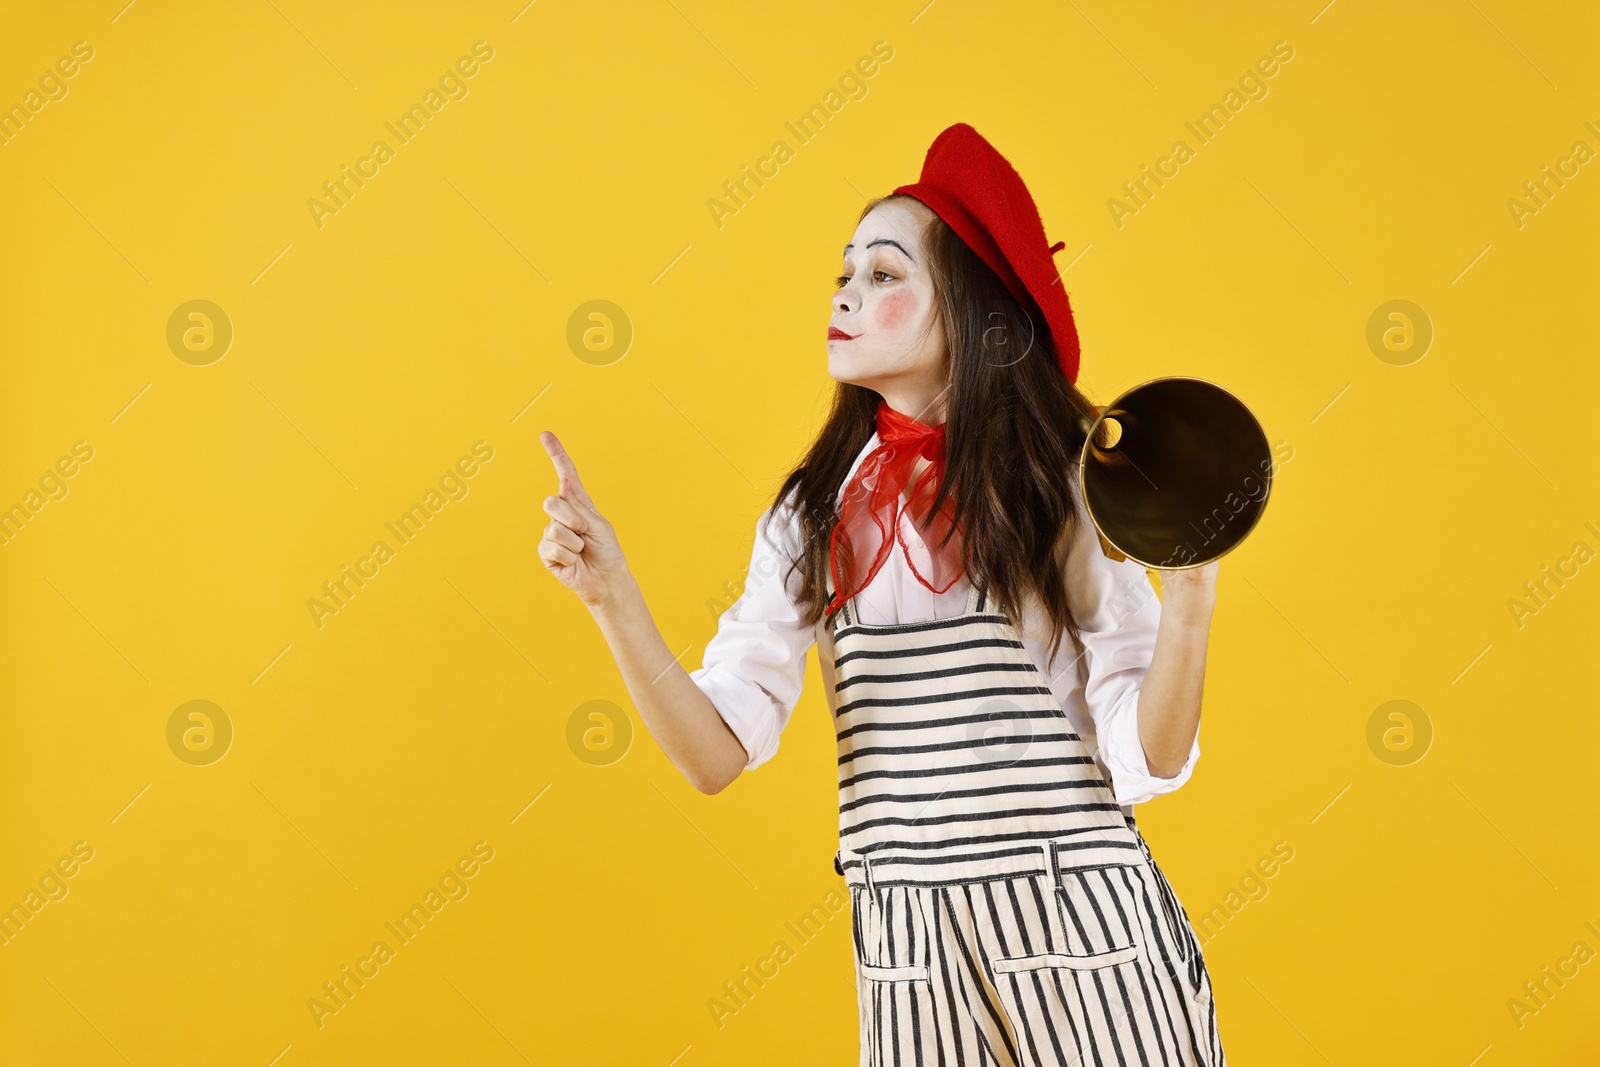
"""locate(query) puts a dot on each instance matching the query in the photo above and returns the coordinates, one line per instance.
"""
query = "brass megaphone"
(1175, 472)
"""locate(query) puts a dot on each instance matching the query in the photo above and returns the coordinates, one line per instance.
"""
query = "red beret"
(979, 194)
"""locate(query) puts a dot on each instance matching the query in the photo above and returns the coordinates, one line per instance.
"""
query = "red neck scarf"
(869, 520)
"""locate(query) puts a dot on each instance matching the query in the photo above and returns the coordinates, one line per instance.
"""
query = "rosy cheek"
(895, 309)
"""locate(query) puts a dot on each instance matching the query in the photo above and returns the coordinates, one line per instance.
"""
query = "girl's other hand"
(579, 546)
(1191, 588)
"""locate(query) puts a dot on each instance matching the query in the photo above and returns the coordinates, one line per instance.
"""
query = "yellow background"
(428, 714)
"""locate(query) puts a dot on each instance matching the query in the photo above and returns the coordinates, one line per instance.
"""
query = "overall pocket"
(891, 935)
(1012, 964)
(1177, 936)
(899, 1006)
(1174, 944)
(1099, 910)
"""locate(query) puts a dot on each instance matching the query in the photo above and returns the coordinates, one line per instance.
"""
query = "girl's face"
(885, 333)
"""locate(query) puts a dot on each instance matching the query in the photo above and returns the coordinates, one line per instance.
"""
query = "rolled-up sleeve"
(754, 665)
(1118, 614)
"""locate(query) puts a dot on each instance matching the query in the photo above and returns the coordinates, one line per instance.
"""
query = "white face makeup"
(885, 302)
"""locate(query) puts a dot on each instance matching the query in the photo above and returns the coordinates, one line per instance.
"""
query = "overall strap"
(845, 615)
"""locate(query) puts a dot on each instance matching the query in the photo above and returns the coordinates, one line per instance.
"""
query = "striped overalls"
(1005, 912)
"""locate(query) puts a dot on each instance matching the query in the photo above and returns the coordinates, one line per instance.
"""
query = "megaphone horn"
(1175, 473)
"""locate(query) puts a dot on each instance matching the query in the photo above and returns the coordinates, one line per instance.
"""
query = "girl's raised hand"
(1192, 589)
(579, 546)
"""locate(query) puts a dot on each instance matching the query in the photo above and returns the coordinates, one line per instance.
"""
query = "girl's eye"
(844, 279)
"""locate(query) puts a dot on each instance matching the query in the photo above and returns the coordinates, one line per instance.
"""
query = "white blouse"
(754, 666)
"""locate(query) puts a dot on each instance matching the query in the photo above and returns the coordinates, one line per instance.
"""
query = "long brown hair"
(1013, 432)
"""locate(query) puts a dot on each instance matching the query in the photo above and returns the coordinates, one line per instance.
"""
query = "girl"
(1002, 691)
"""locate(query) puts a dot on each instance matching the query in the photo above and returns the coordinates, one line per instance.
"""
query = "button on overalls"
(1004, 910)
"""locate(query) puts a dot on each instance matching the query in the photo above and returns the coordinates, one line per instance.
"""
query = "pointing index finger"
(571, 484)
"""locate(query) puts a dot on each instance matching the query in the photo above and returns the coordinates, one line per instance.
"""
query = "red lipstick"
(836, 334)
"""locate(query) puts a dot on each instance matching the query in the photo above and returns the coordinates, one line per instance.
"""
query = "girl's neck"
(926, 409)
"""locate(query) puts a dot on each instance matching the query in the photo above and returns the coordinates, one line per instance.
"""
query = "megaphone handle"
(1106, 547)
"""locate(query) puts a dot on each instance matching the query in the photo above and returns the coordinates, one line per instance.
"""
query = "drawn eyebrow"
(885, 241)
